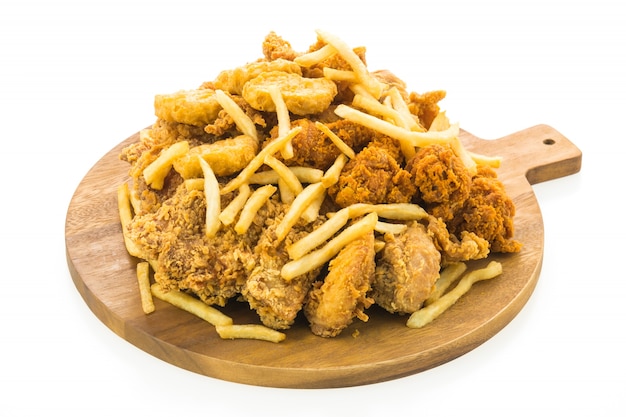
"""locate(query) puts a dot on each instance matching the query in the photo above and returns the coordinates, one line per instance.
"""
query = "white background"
(77, 77)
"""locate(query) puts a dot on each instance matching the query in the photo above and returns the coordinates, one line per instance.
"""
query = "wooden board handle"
(539, 154)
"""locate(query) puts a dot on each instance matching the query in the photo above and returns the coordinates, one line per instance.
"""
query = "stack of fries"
(376, 105)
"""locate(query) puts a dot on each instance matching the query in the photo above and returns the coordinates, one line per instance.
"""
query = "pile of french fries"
(377, 106)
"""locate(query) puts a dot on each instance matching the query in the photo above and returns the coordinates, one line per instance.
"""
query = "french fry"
(331, 176)
(284, 123)
(254, 203)
(315, 57)
(301, 202)
(212, 196)
(319, 257)
(312, 212)
(320, 235)
(191, 305)
(290, 179)
(427, 314)
(194, 184)
(340, 75)
(305, 175)
(272, 147)
(126, 215)
(241, 119)
(230, 212)
(373, 106)
(412, 138)
(339, 143)
(155, 173)
(250, 331)
(394, 211)
(393, 228)
(143, 279)
(371, 84)
(448, 275)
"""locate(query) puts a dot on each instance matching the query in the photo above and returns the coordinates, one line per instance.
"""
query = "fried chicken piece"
(442, 180)
(275, 47)
(333, 303)
(302, 95)
(375, 177)
(192, 107)
(277, 301)
(224, 124)
(233, 81)
(312, 148)
(214, 269)
(488, 212)
(406, 271)
(470, 246)
(425, 106)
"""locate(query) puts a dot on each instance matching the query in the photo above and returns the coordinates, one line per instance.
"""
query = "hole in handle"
(549, 141)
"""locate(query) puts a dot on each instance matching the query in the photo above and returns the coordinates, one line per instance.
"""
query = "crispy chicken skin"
(333, 303)
(488, 212)
(173, 237)
(277, 301)
(373, 176)
(406, 270)
(442, 180)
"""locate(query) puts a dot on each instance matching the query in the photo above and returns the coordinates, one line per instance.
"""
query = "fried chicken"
(276, 300)
(333, 303)
(477, 212)
(275, 47)
(373, 176)
(426, 106)
(488, 212)
(442, 180)
(406, 270)
(173, 237)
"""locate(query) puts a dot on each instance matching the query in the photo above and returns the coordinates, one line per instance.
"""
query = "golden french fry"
(191, 305)
(371, 84)
(284, 123)
(250, 331)
(331, 176)
(340, 75)
(143, 279)
(254, 203)
(319, 257)
(312, 212)
(126, 215)
(412, 138)
(155, 173)
(315, 57)
(448, 275)
(320, 235)
(427, 314)
(305, 175)
(339, 143)
(228, 215)
(272, 147)
(301, 202)
(393, 228)
(194, 184)
(373, 106)
(395, 211)
(290, 179)
(241, 119)
(213, 199)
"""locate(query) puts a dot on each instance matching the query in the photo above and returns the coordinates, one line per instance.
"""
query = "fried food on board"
(304, 183)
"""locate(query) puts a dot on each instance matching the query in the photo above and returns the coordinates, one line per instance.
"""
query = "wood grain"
(384, 348)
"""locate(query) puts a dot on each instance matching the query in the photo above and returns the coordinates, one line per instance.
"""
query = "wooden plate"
(381, 349)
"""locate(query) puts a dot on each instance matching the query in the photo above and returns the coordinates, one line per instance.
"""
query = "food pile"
(303, 183)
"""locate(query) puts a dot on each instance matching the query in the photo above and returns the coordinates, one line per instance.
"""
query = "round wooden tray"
(381, 349)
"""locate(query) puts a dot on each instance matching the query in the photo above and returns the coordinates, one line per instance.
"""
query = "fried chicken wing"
(333, 303)
(406, 271)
